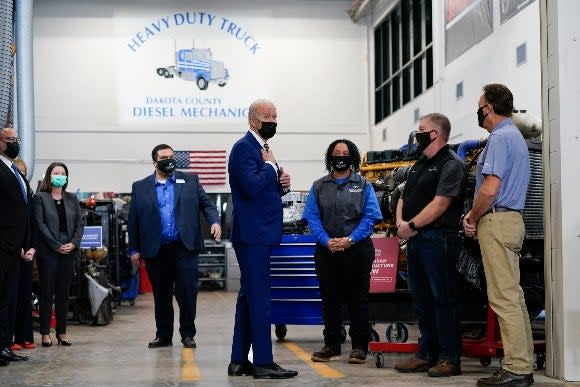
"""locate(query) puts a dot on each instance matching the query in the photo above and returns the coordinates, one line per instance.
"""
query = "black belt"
(503, 209)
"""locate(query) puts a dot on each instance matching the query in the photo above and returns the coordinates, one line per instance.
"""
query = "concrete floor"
(117, 355)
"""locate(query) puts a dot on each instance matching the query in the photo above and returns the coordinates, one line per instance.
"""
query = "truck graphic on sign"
(196, 65)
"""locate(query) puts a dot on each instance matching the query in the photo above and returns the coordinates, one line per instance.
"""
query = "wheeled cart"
(295, 293)
(485, 349)
(294, 286)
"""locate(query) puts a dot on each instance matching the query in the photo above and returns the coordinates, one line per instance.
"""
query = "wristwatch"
(412, 226)
(351, 241)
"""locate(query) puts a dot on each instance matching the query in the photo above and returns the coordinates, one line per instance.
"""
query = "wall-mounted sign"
(508, 8)
(189, 66)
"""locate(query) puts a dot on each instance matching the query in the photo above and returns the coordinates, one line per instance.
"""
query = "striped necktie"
(21, 183)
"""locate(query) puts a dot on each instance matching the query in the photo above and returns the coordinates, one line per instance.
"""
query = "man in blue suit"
(257, 184)
(165, 231)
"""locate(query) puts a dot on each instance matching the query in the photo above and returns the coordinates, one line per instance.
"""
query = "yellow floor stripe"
(321, 368)
(189, 370)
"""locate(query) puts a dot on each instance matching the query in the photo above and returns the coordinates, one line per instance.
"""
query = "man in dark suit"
(257, 184)
(14, 237)
(165, 231)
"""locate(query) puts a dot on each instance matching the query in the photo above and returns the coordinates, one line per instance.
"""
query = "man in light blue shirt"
(503, 174)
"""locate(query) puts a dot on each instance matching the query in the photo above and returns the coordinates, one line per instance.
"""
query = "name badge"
(179, 181)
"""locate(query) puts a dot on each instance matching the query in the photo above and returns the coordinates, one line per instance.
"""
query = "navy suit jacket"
(14, 217)
(257, 204)
(145, 219)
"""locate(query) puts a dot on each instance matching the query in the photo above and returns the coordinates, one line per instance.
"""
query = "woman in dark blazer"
(58, 232)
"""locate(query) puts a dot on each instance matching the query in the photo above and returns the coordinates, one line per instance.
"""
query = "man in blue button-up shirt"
(503, 175)
(165, 231)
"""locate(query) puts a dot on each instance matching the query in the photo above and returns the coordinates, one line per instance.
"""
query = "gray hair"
(256, 104)
(441, 121)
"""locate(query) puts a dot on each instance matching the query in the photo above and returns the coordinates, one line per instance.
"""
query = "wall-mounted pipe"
(24, 82)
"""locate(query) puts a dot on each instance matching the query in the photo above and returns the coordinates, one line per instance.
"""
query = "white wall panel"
(493, 60)
(312, 64)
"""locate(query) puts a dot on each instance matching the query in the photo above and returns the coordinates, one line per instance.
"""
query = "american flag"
(209, 165)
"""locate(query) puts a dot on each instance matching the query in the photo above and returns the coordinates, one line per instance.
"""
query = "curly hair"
(352, 149)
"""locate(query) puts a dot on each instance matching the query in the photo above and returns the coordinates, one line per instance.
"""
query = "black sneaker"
(357, 356)
(325, 354)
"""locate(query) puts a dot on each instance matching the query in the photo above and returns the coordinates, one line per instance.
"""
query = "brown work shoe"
(357, 356)
(444, 368)
(414, 364)
(325, 354)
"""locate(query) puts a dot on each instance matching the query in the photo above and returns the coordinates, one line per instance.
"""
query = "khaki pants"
(501, 235)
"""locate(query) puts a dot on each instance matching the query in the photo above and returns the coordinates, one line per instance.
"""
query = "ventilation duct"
(358, 9)
(24, 82)
(7, 50)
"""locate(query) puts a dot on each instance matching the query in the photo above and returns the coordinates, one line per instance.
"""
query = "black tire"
(160, 71)
(485, 361)
(105, 313)
(280, 331)
(222, 84)
(375, 336)
(202, 83)
(540, 360)
(397, 333)
(379, 360)
(82, 311)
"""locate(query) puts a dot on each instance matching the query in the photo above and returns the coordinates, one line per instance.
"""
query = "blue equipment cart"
(294, 286)
(295, 292)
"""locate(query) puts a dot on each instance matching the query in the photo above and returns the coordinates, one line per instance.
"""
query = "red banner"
(384, 270)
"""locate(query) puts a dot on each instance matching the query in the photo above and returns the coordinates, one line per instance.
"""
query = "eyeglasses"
(11, 139)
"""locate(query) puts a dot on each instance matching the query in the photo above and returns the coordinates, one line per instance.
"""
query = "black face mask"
(481, 116)
(12, 150)
(166, 165)
(340, 163)
(268, 130)
(423, 140)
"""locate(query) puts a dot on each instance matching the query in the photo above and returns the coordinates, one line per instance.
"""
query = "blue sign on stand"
(92, 237)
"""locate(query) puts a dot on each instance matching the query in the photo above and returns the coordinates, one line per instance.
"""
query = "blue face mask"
(58, 180)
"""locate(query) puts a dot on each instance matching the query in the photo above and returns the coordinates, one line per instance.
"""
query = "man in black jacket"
(15, 194)
(428, 215)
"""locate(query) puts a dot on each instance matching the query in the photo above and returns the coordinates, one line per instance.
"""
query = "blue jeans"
(432, 256)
